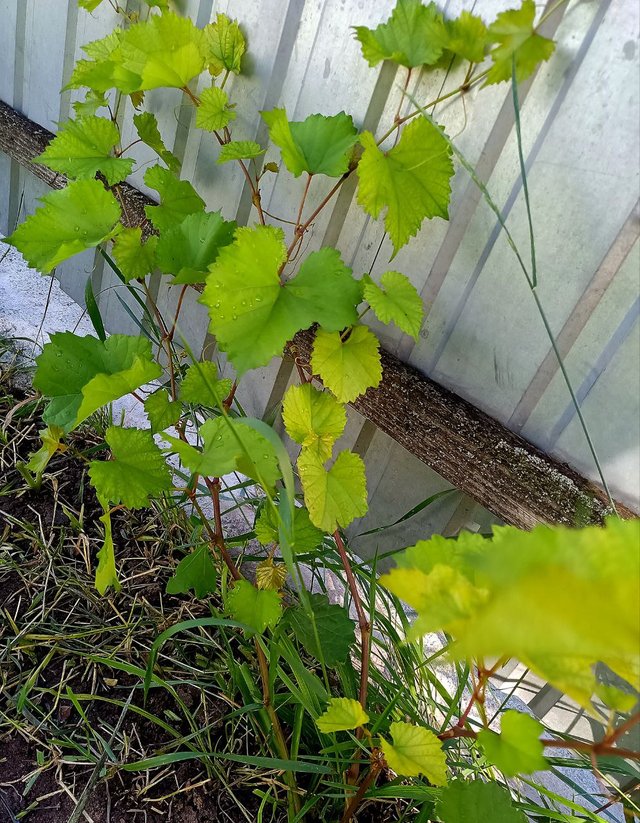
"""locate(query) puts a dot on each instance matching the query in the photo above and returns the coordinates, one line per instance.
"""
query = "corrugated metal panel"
(482, 337)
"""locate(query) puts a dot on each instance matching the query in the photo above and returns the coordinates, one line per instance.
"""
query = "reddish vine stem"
(356, 800)
(174, 325)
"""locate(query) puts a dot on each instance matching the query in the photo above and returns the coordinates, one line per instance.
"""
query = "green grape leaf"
(223, 453)
(306, 536)
(477, 802)
(517, 749)
(195, 571)
(83, 147)
(256, 608)
(161, 411)
(178, 198)
(313, 418)
(239, 150)
(214, 111)
(187, 249)
(523, 595)
(415, 751)
(73, 219)
(270, 575)
(106, 574)
(90, 105)
(337, 496)
(89, 5)
(135, 259)
(136, 471)
(253, 314)
(336, 630)
(396, 301)
(105, 69)
(347, 367)
(202, 387)
(467, 36)
(51, 438)
(147, 127)
(517, 40)
(413, 36)
(224, 45)
(342, 714)
(81, 374)
(411, 180)
(165, 51)
(317, 145)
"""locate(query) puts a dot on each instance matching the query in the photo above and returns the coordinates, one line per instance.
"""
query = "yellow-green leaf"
(347, 367)
(239, 150)
(415, 751)
(214, 111)
(517, 749)
(256, 608)
(517, 40)
(397, 301)
(342, 714)
(202, 386)
(135, 259)
(106, 574)
(224, 45)
(161, 411)
(337, 496)
(178, 198)
(51, 438)
(466, 36)
(313, 418)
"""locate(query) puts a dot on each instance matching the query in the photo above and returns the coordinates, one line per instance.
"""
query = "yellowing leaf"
(413, 36)
(410, 181)
(347, 367)
(253, 313)
(166, 50)
(136, 471)
(214, 112)
(270, 575)
(342, 714)
(337, 496)
(51, 438)
(317, 145)
(396, 301)
(313, 418)
(135, 259)
(178, 198)
(224, 45)
(256, 608)
(106, 574)
(514, 31)
(202, 386)
(73, 219)
(517, 749)
(415, 751)
(83, 147)
(239, 150)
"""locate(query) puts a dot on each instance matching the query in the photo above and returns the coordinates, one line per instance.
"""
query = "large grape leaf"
(527, 594)
(336, 630)
(411, 181)
(313, 418)
(81, 374)
(317, 145)
(342, 714)
(147, 127)
(135, 259)
(178, 198)
(413, 36)
(517, 40)
(415, 751)
(106, 574)
(195, 571)
(239, 150)
(467, 36)
(477, 802)
(166, 50)
(224, 45)
(73, 219)
(337, 496)
(347, 367)
(136, 471)
(253, 314)
(214, 111)
(256, 608)
(202, 386)
(229, 445)
(187, 249)
(518, 748)
(306, 536)
(83, 147)
(395, 301)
